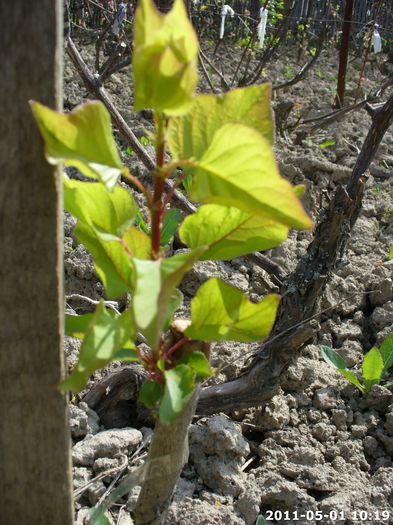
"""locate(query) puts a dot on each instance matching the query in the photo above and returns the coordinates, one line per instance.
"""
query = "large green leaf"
(386, 351)
(239, 169)
(372, 368)
(333, 358)
(351, 377)
(190, 136)
(82, 139)
(153, 297)
(106, 212)
(220, 312)
(170, 225)
(164, 59)
(150, 393)
(77, 325)
(105, 229)
(199, 363)
(105, 335)
(230, 232)
(179, 386)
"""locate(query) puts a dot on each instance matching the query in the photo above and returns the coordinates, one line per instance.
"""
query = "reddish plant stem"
(175, 347)
(159, 183)
(171, 192)
(138, 184)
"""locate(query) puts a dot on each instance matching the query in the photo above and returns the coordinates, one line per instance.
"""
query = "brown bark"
(344, 50)
(35, 467)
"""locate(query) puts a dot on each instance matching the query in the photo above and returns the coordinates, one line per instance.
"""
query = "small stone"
(274, 415)
(322, 431)
(359, 431)
(339, 418)
(382, 316)
(389, 423)
(109, 443)
(325, 398)
(379, 398)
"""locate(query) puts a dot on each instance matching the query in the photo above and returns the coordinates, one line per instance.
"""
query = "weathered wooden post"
(35, 480)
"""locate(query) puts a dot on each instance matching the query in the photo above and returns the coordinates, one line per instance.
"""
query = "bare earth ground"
(318, 445)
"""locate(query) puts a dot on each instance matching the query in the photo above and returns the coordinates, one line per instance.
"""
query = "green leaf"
(333, 358)
(327, 144)
(126, 355)
(82, 139)
(351, 377)
(141, 223)
(171, 222)
(220, 312)
(77, 325)
(150, 393)
(261, 520)
(164, 59)
(190, 136)
(179, 386)
(390, 256)
(105, 335)
(239, 169)
(199, 363)
(155, 282)
(229, 232)
(386, 352)
(372, 368)
(299, 190)
(111, 213)
(105, 229)
(175, 301)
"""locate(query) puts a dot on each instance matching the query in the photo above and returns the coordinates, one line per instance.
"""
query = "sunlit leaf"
(77, 325)
(239, 170)
(174, 303)
(199, 363)
(179, 386)
(327, 144)
(164, 59)
(169, 227)
(190, 136)
(155, 282)
(386, 352)
(106, 334)
(108, 212)
(351, 377)
(372, 368)
(220, 312)
(105, 228)
(82, 139)
(230, 232)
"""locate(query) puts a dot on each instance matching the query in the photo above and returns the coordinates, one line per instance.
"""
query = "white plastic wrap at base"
(262, 26)
(377, 42)
(226, 10)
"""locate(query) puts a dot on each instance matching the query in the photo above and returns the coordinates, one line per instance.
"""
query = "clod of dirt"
(106, 444)
(218, 449)
(83, 421)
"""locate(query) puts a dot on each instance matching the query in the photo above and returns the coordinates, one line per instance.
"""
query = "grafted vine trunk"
(35, 466)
